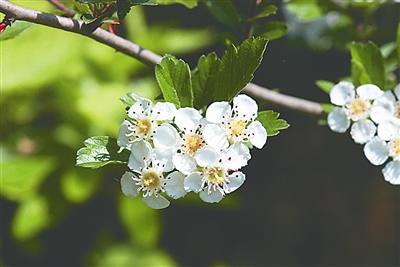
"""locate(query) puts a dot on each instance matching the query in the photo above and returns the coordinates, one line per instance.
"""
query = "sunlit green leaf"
(21, 177)
(100, 151)
(327, 107)
(237, 67)
(204, 79)
(266, 11)
(304, 10)
(186, 3)
(16, 29)
(31, 217)
(269, 119)
(223, 11)
(367, 65)
(272, 29)
(142, 224)
(326, 86)
(173, 77)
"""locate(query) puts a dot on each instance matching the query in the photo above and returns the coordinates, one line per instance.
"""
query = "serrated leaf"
(237, 67)
(173, 77)
(124, 7)
(130, 99)
(100, 151)
(326, 86)
(269, 119)
(272, 30)
(204, 79)
(223, 11)
(367, 65)
(266, 11)
(16, 29)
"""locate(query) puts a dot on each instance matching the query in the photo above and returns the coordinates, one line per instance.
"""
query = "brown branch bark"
(145, 56)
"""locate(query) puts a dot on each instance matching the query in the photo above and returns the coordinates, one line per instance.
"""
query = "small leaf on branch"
(266, 12)
(223, 11)
(272, 30)
(326, 86)
(367, 65)
(187, 3)
(16, 29)
(237, 67)
(100, 151)
(269, 119)
(173, 77)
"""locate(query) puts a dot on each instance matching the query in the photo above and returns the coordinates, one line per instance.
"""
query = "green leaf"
(31, 217)
(223, 11)
(204, 78)
(130, 99)
(100, 151)
(16, 29)
(135, 217)
(327, 107)
(21, 177)
(326, 86)
(187, 3)
(266, 11)
(367, 65)
(269, 119)
(272, 30)
(237, 67)
(305, 11)
(173, 77)
(398, 43)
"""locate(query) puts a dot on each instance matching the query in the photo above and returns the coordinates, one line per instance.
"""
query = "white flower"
(238, 124)
(218, 175)
(377, 151)
(355, 105)
(150, 180)
(144, 117)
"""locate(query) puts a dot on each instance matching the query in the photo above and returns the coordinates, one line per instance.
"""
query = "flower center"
(359, 109)
(151, 180)
(397, 109)
(236, 128)
(143, 126)
(394, 149)
(216, 175)
(192, 144)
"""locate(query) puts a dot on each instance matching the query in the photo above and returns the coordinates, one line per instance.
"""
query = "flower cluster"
(374, 117)
(176, 151)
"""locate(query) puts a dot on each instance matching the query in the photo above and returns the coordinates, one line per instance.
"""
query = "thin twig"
(63, 8)
(145, 56)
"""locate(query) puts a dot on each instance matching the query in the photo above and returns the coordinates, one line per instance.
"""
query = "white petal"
(184, 163)
(123, 140)
(187, 119)
(193, 182)
(163, 157)
(232, 160)
(217, 112)
(396, 91)
(236, 179)
(391, 172)
(258, 136)
(140, 108)
(165, 136)
(215, 136)
(174, 185)
(338, 121)
(362, 131)
(128, 185)
(243, 151)
(376, 151)
(382, 109)
(214, 197)
(156, 202)
(141, 152)
(207, 156)
(389, 95)
(369, 91)
(342, 93)
(163, 111)
(388, 129)
(245, 107)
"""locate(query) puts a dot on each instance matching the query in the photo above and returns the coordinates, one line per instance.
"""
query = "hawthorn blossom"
(377, 151)
(354, 105)
(148, 176)
(144, 117)
(218, 174)
(235, 125)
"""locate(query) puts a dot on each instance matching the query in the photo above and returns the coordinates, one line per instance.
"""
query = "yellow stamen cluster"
(359, 108)
(216, 175)
(236, 128)
(394, 149)
(193, 143)
(151, 180)
(143, 126)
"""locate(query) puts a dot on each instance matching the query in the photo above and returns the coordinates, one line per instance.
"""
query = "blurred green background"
(311, 198)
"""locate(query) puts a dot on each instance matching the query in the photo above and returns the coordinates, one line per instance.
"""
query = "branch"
(145, 56)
